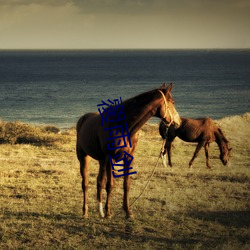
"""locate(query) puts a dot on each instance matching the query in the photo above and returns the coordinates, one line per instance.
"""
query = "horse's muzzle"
(176, 121)
(176, 125)
(225, 162)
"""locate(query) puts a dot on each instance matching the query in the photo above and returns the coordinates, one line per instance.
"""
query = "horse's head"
(224, 157)
(224, 147)
(167, 111)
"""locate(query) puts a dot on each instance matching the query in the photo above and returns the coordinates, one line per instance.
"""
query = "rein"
(167, 109)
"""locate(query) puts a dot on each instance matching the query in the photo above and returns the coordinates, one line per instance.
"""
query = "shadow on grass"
(96, 230)
(35, 215)
(117, 230)
(223, 178)
(236, 219)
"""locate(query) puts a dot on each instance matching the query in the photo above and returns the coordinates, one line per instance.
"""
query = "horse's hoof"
(130, 217)
(108, 216)
(85, 216)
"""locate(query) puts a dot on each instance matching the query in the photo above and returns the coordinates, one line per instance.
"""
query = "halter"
(167, 109)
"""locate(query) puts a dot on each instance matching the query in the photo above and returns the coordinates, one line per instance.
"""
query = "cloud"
(145, 6)
(139, 7)
(124, 23)
(16, 3)
(40, 26)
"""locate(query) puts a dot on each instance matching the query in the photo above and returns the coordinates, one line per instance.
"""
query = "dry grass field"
(182, 208)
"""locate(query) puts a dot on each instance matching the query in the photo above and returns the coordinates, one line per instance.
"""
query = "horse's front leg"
(100, 185)
(207, 155)
(197, 150)
(163, 152)
(169, 148)
(126, 187)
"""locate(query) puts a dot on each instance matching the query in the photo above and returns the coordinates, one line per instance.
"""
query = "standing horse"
(203, 131)
(92, 143)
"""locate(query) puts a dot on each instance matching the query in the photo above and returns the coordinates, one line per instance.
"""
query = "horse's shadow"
(236, 219)
(93, 229)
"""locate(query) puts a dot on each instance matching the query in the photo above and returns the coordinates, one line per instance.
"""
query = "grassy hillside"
(41, 198)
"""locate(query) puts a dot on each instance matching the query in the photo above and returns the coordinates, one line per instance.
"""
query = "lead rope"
(162, 148)
(160, 155)
(150, 177)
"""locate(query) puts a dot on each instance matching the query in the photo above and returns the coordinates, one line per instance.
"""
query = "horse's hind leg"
(197, 150)
(126, 187)
(84, 169)
(100, 185)
(109, 187)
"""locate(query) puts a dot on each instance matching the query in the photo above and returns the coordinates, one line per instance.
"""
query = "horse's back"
(195, 130)
(83, 119)
(199, 122)
(209, 125)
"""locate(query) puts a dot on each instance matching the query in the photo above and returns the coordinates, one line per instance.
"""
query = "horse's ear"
(163, 86)
(169, 88)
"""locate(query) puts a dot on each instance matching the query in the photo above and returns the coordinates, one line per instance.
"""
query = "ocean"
(57, 87)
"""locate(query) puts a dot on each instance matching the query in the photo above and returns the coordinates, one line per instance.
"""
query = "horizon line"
(114, 49)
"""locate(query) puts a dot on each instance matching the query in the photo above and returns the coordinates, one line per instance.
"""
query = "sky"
(124, 24)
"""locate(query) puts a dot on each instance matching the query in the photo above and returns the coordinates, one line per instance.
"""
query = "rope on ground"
(150, 177)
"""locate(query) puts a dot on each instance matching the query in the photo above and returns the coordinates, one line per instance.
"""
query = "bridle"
(167, 110)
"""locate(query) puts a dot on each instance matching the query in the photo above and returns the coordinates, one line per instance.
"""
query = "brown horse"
(203, 131)
(92, 143)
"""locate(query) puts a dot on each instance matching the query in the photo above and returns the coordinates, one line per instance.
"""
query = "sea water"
(57, 87)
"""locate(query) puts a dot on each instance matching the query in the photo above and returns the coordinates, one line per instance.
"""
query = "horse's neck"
(221, 141)
(139, 113)
(138, 123)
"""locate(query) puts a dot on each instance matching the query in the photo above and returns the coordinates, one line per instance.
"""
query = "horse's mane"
(219, 135)
(141, 98)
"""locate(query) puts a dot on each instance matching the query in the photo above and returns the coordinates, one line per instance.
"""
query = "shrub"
(52, 129)
(21, 133)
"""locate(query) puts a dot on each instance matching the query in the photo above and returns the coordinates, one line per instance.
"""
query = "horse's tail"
(163, 130)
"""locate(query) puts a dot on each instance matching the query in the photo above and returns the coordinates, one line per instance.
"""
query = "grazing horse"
(92, 141)
(203, 131)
